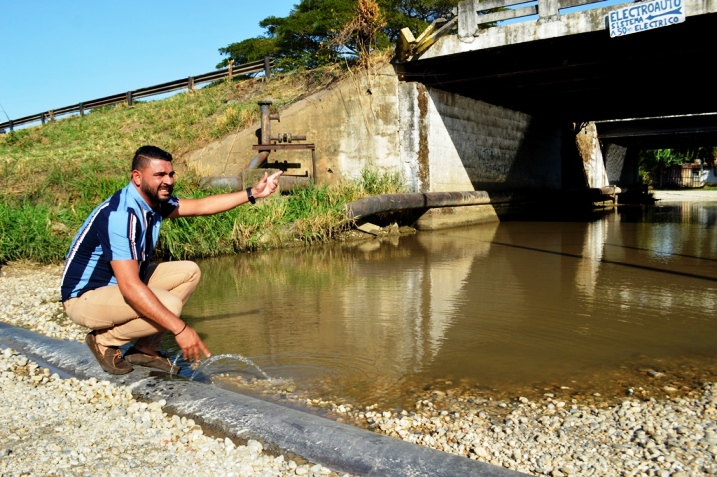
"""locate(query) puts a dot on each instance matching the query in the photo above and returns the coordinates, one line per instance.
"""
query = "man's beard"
(153, 194)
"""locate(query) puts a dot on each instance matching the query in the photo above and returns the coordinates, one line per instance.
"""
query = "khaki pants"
(116, 323)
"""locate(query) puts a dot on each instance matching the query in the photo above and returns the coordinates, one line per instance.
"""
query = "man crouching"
(109, 283)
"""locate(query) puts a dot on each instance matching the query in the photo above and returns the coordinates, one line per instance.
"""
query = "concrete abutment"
(437, 141)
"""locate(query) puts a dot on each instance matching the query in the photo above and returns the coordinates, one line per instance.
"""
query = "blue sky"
(59, 53)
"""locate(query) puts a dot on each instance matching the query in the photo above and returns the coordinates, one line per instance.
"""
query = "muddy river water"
(591, 305)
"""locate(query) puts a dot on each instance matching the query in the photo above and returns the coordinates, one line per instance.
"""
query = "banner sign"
(645, 16)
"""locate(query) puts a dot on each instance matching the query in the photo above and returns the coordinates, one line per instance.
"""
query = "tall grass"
(307, 215)
(314, 214)
(51, 177)
(30, 233)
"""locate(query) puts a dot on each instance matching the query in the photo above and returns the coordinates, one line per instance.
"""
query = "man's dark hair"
(146, 153)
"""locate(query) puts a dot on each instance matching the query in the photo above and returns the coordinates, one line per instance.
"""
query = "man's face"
(155, 182)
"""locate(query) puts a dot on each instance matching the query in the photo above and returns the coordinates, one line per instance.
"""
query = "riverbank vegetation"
(52, 176)
(652, 161)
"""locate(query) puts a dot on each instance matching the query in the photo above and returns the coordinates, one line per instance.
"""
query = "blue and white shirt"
(124, 227)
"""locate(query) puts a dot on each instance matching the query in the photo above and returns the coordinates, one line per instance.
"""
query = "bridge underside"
(590, 76)
(661, 133)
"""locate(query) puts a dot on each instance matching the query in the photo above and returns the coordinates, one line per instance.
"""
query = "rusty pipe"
(266, 118)
(421, 200)
(287, 138)
(258, 160)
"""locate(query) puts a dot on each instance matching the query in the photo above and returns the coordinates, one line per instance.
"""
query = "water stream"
(205, 364)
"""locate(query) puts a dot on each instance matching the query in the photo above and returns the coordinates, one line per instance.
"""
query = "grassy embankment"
(52, 176)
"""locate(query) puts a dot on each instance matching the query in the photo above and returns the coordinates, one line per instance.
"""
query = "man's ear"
(136, 178)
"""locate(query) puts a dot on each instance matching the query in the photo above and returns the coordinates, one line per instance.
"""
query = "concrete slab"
(448, 217)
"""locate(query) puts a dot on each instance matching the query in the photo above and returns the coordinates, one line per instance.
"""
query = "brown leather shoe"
(135, 356)
(111, 360)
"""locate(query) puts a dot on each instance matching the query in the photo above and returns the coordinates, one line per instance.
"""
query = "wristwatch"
(250, 196)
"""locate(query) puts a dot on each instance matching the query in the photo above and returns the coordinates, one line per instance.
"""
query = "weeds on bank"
(30, 233)
(51, 177)
(307, 215)
(43, 234)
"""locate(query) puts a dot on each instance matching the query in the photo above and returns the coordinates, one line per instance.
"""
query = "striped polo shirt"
(118, 229)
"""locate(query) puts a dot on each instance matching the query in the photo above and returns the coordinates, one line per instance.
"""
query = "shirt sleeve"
(168, 207)
(120, 241)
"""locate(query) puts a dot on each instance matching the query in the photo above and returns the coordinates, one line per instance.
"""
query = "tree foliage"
(413, 15)
(320, 32)
(655, 159)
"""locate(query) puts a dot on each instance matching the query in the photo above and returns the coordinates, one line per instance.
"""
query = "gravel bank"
(47, 423)
(53, 426)
(685, 195)
(675, 438)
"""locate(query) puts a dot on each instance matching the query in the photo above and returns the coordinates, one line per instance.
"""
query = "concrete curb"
(337, 446)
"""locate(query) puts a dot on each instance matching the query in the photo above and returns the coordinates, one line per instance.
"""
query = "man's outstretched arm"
(217, 203)
(146, 304)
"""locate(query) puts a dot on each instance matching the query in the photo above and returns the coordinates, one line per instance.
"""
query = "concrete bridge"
(551, 107)
(643, 90)
(567, 65)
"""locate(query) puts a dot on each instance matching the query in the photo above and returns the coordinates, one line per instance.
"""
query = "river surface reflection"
(498, 305)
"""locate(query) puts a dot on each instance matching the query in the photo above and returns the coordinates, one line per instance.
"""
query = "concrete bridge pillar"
(623, 169)
(548, 10)
(467, 19)
(588, 146)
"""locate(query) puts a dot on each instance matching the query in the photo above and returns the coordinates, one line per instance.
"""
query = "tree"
(300, 40)
(315, 32)
(247, 51)
(652, 161)
(415, 15)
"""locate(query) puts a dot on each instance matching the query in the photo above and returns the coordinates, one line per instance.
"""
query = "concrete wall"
(354, 124)
(622, 166)
(438, 141)
(449, 143)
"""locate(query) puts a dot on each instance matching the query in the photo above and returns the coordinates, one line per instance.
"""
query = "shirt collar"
(134, 193)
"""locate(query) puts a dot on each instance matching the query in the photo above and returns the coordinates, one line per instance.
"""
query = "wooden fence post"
(267, 68)
(52, 115)
(42, 118)
(231, 69)
(130, 99)
(82, 109)
(10, 124)
(190, 83)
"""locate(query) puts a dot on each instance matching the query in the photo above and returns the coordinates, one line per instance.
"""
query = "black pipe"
(421, 200)
(233, 415)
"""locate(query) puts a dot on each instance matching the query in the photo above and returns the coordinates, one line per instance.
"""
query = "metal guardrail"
(264, 65)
